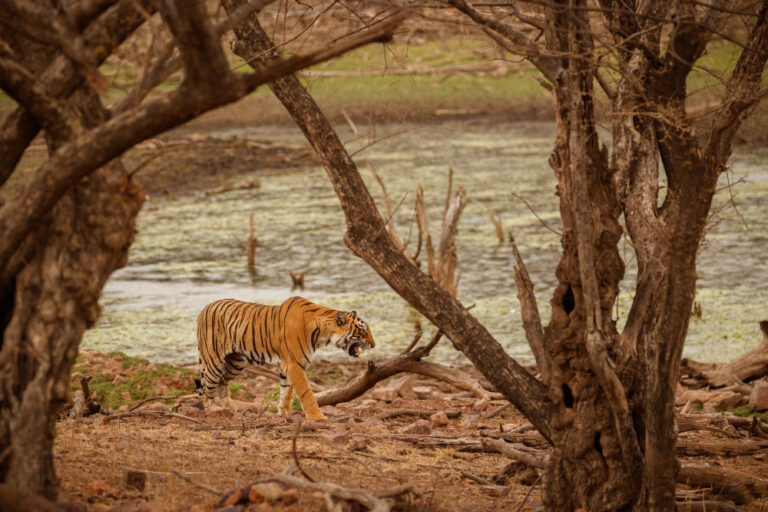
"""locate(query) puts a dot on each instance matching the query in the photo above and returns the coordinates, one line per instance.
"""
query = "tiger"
(232, 333)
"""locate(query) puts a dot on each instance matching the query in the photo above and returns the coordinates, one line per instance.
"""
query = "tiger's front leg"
(298, 379)
(286, 393)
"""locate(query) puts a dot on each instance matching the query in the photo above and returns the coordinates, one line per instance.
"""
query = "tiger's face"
(351, 334)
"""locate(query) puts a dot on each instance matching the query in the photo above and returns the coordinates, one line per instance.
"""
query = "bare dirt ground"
(378, 443)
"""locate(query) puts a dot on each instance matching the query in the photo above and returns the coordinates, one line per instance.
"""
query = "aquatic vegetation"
(190, 250)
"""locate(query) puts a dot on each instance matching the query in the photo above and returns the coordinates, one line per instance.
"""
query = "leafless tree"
(604, 398)
(67, 225)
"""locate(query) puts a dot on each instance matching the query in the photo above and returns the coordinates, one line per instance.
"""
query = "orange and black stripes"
(233, 333)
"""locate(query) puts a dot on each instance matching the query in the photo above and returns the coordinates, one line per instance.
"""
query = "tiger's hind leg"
(286, 393)
(209, 382)
(233, 366)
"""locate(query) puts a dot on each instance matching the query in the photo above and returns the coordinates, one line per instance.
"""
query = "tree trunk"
(55, 298)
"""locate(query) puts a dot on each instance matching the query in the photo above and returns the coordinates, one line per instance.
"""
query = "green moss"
(747, 412)
(140, 384)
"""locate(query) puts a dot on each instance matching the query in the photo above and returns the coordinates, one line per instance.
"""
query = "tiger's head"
(351, 334)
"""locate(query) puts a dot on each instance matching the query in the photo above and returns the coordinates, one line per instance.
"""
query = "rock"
(404, 386)
(377, 429)
(335, 437)
(468, 420)
(439, 419)
(122, 408)
(216, 411)
(424, 392)
(192, 412)
(385, 394)
(119, 379)
(125, 395)
(696, 396)
(758, 400)
(133, 479)
(269, 491)
(417, 427)
(357, 443)
(481, 404)
(329, 410)
(725, 400)
(509, 427)
(101, 488)
(156, 407)
(108, 373)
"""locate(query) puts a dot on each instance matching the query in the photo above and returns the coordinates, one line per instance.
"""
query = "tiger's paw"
(316, 416)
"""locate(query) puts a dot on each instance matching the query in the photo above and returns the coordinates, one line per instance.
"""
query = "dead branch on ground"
(410, 362)
(197, 484)
(737, 486)
(752, 365)
(534, 461)
(128, 414)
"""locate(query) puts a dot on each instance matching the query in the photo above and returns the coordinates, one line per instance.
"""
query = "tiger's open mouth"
(356, 348)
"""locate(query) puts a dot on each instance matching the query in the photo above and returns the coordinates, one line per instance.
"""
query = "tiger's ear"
(341, 317)
(354, 313)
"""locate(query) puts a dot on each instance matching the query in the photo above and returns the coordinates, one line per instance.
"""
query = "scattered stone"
(192, 412)
(357, 444)
(404, 386)
(335, 437)
(156, 407)
(269, 491)
(378, 429)
(725, 400)
(696, 396)
(108, 373)
(119, 379)
(439, 419)
(508, 427)
(134, 479)
(758, 400)
(424, 392)
(469, 420)
(385, 394)
(369, 402)
(417, 427)
(217, 411)
(101, 488)
(329, 410)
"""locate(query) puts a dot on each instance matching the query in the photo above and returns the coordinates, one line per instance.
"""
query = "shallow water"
(190, 250)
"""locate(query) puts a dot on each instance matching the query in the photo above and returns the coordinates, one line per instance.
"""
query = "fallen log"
(752, 365)
(737, 486)
(740, 447)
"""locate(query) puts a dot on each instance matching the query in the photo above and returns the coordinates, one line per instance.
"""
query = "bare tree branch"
(368, 238)
(529, 313)
(85, 154)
